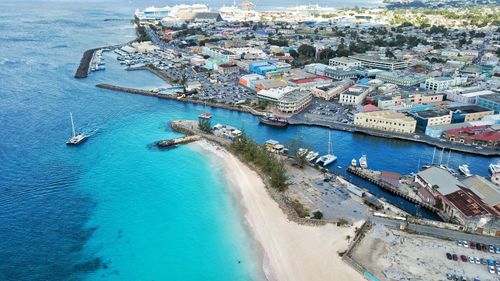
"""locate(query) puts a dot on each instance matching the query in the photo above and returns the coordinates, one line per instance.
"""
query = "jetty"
(177, 141)
(83, 69)
(373, 177)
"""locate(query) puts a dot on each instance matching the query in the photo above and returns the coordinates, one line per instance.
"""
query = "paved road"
(438, 232)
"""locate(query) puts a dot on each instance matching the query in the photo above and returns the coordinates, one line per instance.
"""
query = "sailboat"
(329, 158)
(75, 139)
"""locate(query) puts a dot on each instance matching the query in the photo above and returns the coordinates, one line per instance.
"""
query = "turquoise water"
(116, 208)
(161, 215)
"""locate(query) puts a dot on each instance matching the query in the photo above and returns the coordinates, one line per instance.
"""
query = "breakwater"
(177, 141)
(83, 69)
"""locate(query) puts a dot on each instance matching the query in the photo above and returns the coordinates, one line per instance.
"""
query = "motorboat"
(311, 155)
(464, 169)
(363, 162)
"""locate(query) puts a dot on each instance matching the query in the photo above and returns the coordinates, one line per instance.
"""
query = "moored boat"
(328, 158)
(363, 162)
(354, 163)
(464, 169)
(494, 168)
(273, 121)
(311, 155)
(205, 116)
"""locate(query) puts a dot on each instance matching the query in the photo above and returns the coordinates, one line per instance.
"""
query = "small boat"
(311, 155)
(354, 163)
(329, 158)
(205, 116)
(273, 121)
(302, 152)
(494, 168)
(275, 147)
(464, 169)
(76, 138)
(363, 162)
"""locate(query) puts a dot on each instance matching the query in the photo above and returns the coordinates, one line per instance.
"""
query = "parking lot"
(327, 111)
(391, 254)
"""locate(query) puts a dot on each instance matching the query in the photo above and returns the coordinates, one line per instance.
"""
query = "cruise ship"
(157, 13)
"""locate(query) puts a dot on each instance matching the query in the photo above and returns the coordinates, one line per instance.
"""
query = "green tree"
(307, 51)
(318, 215)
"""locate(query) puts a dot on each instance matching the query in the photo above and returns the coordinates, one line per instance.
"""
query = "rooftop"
(485, 189)
(493, 97)
(431, 113)
(440, 178)
(467, 109)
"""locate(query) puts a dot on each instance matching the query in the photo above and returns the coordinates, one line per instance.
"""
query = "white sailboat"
(75, 139)
(329, 158)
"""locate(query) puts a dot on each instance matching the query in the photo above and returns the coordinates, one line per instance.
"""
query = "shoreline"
(294, 122)
(290, 251)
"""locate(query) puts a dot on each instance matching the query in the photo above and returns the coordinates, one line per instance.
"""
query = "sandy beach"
(291, 252)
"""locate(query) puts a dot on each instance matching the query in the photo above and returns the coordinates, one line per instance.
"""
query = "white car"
(465, 244)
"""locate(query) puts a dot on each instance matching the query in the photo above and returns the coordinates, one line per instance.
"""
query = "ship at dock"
(273, 120)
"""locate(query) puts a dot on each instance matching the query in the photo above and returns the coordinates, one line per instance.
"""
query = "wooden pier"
(369, 175)
(173, 142)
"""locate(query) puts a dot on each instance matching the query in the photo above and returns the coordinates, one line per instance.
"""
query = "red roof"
(310, 80)
(476, 132)
(468, 203)
(370, 107)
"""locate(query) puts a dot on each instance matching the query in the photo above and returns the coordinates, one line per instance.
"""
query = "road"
(438, 232)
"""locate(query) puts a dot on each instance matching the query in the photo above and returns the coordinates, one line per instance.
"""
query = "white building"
(345, 62)
(440, 84)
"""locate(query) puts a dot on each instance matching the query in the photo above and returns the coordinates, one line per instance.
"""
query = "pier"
(177, 141)
(83, 68)
(372, 176)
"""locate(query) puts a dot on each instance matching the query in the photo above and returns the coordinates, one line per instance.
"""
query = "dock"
(372, 177)
(177, 141)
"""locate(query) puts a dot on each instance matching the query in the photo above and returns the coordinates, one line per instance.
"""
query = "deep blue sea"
(115, 208)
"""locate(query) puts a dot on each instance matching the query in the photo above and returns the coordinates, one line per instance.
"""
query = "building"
(327, 92)
(468, 113)
(316, 68)
(432, 117)
(250, 79)
(354, 95)
(207, 17)
(310, 82)
(439, 84)
(339, 72)
(228, 68)
(287, 99)
(438, 130)
(491, 101)
(401, 78)
(266, 84)
(458, 202)
(466, 95)
(485, 136)
(486, 190)
(380, 62)
(344, 62)
(408, 99)
(386, 120)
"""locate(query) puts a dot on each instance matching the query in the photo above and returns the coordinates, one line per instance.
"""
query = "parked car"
(471, 259)
(491, 269)
(491, 249)
(477, 260)
(465, 244)
(478, 246)
(497, 249)
(472, 245)
(455, 257)
(448, 256)
(484, 247)
(483, 261)
(464, 258)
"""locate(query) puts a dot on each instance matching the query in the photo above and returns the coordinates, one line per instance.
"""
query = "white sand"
(292, 252)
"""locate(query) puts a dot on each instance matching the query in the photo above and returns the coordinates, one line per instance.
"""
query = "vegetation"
(299, 208)
(204, 125)
(281, 42)
(318, 215)
(307, 51)
(264, 160)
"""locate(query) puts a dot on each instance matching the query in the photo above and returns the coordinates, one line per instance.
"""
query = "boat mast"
(448, 162)
(433, 154)
(330, 142)
(441, 158)
(72, 124)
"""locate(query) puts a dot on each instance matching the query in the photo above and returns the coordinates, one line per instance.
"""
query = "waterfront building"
(432, 117)
(327, 92)
(437, 131)
(287, 99)
(386, 120)
(250, 79)
(344, 62)
(401, 78)
(380, 62)
(468, 113)
(354, 95)
(466, 95)
(491, 101)
(487, 136)
(439, 84)
(486, 190)
(408, 99)
(458, 203)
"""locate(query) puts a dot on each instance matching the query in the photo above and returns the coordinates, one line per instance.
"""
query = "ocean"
(116, 208)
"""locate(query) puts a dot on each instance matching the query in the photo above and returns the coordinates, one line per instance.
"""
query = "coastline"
(290, 251)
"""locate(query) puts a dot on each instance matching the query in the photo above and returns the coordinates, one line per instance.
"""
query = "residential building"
(401, 78)
(386, 120)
